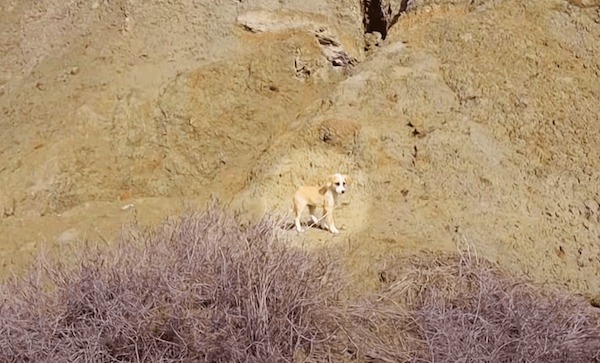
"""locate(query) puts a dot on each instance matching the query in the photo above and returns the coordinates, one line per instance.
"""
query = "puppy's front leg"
(297, 224)
(329, 218)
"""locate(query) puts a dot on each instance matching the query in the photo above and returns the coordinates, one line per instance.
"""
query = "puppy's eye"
(337, 184)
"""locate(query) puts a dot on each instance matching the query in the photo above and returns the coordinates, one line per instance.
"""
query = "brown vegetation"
(468, 311)
(202, 288)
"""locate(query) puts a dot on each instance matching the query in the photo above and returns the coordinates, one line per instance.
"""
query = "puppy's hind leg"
(312, 209)
(299, 205)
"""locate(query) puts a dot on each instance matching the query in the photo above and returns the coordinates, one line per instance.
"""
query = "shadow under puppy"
(324, 196)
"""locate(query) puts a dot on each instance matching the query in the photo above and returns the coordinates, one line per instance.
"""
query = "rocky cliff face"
(464, 123)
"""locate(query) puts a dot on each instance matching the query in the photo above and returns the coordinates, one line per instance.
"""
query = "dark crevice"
(379, 16)
(374, 19)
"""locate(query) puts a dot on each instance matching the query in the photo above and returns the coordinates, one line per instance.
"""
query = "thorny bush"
(202, 288)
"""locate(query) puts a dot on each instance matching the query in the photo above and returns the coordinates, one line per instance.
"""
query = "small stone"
(372, 40)
(586, 224)
(592, 206)
(337, 63)
(127, 206)
(74, 71)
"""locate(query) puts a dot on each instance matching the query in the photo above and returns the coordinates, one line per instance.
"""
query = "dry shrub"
(377, 329)
(469, 311)
(199, 288)
(202, 288)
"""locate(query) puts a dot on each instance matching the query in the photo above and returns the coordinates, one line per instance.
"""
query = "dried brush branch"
(199, 288)
(470, 311)
(204, 288)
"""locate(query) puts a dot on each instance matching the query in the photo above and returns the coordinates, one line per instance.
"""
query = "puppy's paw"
(299, 229)
(334, 230)
(315, 220)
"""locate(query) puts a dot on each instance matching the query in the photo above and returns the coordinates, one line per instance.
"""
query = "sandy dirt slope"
(472, 123)
(118, 104)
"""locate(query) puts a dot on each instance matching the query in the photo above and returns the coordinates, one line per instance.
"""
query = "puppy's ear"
(348, 180)
(330, 180)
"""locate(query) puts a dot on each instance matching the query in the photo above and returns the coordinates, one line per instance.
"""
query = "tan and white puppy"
(324, 196)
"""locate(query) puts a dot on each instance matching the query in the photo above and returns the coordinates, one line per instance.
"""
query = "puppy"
(324, 197)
